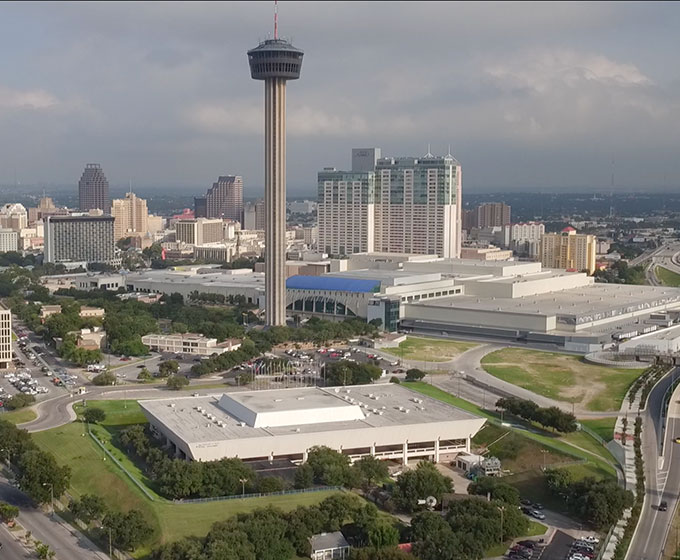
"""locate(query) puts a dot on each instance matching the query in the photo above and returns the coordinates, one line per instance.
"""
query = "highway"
(662, 473)
(11, 549)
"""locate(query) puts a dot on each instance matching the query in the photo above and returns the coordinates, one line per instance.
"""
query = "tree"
(145, 375)
(19, 401)
(269, 484)
(350, 373)
(389, 553)
(499, 490)
(43, 551)
(93, 415)
(128, 530)
(370, 470)
(417, 484)
(433, 538)
(176, 382)
(304, 476)
(8, 512)
(104, 378)
(558, 480)
(329, 466)
(415, 374)
(89, 507)
(41, 477)
(168, 367)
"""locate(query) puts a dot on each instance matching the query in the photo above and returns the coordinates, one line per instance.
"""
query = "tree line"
(551, 417)
(37, 471)
(127, 530)
(598, 502)
(271, 534)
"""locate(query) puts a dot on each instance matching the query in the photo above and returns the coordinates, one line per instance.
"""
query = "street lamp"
(51, 495)
(543, 452)
(502, 510)
(243, 486)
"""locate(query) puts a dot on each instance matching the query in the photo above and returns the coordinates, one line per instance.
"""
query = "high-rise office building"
(5, 338)
(225, 199)
(569, 250)
(93, 189)
(131, 216)
(199, 231)
(254, 215)
(364, 159)
(200, 207)
(275, 61)
(493, 214)
(418, 205)
(346, 211)
(86, 239)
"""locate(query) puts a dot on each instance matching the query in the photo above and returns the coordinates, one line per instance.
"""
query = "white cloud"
(26, 99)
(247, 118)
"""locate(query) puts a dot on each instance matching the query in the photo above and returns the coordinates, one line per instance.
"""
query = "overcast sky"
(527, 95)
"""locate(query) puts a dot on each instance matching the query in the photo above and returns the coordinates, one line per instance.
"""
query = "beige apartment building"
(5, 338)
(569, 250)
(131, 216)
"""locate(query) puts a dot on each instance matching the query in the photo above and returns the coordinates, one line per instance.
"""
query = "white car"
(590, 539)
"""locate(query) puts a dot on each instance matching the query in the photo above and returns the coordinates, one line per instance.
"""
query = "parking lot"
(29, 376)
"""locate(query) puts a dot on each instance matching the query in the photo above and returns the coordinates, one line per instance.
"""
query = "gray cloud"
(528, 95)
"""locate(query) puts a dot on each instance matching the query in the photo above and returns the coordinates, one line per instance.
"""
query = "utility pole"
(243, 486)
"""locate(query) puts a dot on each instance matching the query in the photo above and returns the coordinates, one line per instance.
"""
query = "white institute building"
(387, 421)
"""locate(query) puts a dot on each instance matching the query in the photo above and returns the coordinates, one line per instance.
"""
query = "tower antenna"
(276, 19)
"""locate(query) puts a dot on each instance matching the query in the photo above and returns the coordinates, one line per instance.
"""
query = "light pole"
(243, 486)
(51, 495)
(543, 452)
(502, 510)
(460, 376)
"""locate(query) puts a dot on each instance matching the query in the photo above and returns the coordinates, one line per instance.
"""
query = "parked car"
(537, 514)
(663, 506)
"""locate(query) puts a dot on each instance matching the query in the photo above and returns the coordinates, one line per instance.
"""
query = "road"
(65, 541)
(662, 473)
(11, 549)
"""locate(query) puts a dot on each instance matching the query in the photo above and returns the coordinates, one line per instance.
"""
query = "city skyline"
(488, 90)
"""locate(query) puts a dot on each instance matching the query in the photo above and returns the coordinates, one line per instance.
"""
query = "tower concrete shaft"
(275, 61)
(275, 200)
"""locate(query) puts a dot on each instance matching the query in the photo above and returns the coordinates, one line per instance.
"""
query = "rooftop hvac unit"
(337, 389)
(347, 391)
(407, 410)
(383, 407)
(380, 412)
(242, 424)
(301, 398)
(278, 400)
(370, 395)
(401, 409)
(297, 430)
(377, 397)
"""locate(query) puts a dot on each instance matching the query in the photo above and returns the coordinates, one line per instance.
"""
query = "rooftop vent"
(242, 424)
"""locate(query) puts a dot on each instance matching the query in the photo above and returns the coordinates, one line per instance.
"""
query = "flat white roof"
(203, 421)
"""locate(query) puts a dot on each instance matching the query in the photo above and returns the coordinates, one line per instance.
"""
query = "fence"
(151, 497)
(136, 482)
(243, 496)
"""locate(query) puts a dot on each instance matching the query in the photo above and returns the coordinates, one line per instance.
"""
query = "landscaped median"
(562, 377)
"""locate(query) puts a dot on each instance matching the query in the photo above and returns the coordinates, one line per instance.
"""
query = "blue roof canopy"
(332, 283)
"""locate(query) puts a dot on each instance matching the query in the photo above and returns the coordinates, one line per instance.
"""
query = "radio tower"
(275, 61)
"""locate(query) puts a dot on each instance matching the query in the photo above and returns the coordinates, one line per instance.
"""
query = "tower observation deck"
(275, 61)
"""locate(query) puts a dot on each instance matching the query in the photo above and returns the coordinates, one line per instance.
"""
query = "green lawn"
(668, 277)
(94, 473)
(562, 377)
(19, 416)
(429, 349)
(603, 427)
(553, 442)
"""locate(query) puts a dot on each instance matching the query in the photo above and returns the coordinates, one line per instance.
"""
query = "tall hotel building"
(93, 189)
(569, 250)
(406, 205)
(72, 239)
(131, 216)
(225, 198)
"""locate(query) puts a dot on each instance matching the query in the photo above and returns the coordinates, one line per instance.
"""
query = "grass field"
(562, 377)
(94, 473)
(429, 349)
(595, 454)
(668, 277)
(603, 427)
(19, 416)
